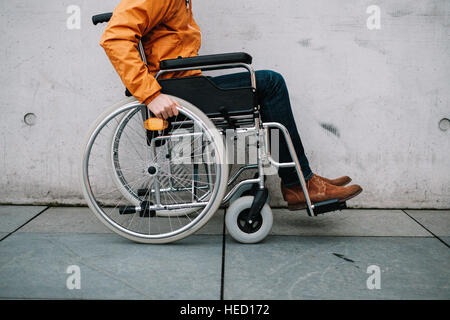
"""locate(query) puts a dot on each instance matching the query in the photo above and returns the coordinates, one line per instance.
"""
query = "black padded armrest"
(206, 60)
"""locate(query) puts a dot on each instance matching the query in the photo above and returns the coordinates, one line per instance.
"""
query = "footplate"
(328, 206)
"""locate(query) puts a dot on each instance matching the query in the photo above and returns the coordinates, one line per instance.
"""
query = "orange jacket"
(167, 29)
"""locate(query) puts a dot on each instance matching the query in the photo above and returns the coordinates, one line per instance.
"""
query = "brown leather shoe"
(318, 191)
(341, 181)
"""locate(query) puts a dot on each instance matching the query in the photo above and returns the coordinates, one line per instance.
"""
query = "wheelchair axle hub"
(152, 170)
(249, 225)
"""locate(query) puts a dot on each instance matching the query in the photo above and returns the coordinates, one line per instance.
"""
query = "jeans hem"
(297, 183)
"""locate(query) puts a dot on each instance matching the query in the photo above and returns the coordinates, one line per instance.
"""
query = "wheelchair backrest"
(208, 97)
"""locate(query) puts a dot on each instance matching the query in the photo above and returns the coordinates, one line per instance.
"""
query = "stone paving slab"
(66, 220)
(83, 220)
(34, 265)
(437, 221)
(350, 222)
(215, 224)
(325, 257)
(287, 267)
(345, 223)
(12, 217)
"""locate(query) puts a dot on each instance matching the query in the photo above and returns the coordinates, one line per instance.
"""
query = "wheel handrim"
(106, 217)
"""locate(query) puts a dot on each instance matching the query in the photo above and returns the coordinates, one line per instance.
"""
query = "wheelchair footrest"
(328, 206)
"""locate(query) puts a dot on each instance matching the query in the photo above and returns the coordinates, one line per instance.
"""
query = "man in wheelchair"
(166, 30)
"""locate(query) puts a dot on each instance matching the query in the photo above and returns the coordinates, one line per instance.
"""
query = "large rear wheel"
(154, 187)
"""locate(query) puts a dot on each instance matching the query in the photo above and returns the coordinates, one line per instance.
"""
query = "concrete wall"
(367, 102)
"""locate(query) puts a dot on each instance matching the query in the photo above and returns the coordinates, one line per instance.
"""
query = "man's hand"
(163, 106)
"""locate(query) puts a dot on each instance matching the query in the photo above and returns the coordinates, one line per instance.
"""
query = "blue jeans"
(273, 98)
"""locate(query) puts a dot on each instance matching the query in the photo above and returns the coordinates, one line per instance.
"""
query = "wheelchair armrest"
(206, 60)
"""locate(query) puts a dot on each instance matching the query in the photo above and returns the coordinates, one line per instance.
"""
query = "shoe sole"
(301, 206)
(295, 207)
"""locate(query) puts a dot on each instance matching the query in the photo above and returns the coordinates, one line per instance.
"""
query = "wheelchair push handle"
(100, 18)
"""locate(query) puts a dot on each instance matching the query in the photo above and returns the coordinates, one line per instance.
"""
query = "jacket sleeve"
(131, 20)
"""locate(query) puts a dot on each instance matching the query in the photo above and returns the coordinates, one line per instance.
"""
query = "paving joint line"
(28, 221)
(222, 275)
(434, 235)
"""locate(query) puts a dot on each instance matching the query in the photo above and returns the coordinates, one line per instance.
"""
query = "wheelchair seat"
(206, 60)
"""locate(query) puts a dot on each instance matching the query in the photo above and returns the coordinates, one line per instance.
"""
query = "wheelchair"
(161, 185)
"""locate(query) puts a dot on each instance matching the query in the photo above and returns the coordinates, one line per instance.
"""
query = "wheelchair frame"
(258, 125)
(254, 126)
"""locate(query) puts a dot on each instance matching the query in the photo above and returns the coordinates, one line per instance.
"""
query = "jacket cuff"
(150, 99)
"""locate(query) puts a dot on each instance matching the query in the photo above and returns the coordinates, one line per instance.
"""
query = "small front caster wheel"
(242, 230)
